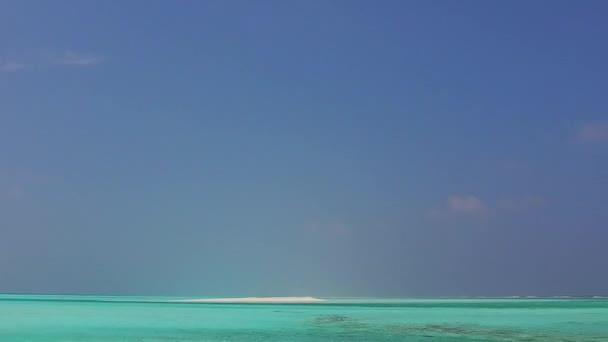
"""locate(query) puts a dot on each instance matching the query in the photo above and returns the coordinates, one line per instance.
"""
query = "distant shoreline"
(254, 300)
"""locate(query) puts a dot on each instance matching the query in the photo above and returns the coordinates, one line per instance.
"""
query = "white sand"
(254, 300)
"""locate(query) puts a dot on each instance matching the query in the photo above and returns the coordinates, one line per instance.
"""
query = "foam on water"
(99, 318)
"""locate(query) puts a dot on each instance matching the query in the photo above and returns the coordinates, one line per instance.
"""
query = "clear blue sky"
(387, 148)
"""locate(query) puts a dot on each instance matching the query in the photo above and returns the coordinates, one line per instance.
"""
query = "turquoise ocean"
(105, 318)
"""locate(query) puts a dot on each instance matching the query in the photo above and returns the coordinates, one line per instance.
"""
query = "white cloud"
(593, 132)
(67, 59)
(461, 205)
(79, 59)
(11, 67)
(466, 205)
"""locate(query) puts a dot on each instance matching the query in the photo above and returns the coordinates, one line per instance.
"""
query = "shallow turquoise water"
(96, 318)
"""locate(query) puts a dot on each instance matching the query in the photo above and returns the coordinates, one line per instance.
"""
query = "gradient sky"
(380, 148)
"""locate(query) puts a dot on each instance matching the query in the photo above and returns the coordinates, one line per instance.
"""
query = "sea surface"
(101, 318)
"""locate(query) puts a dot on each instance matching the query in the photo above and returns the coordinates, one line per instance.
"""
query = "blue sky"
(387, 148)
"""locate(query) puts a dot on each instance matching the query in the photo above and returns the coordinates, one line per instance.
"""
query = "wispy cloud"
(11, 67)
(468, 204)
(473, 206)
(461, 205)
(51, 60)
(593, 132)
(78, 59)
